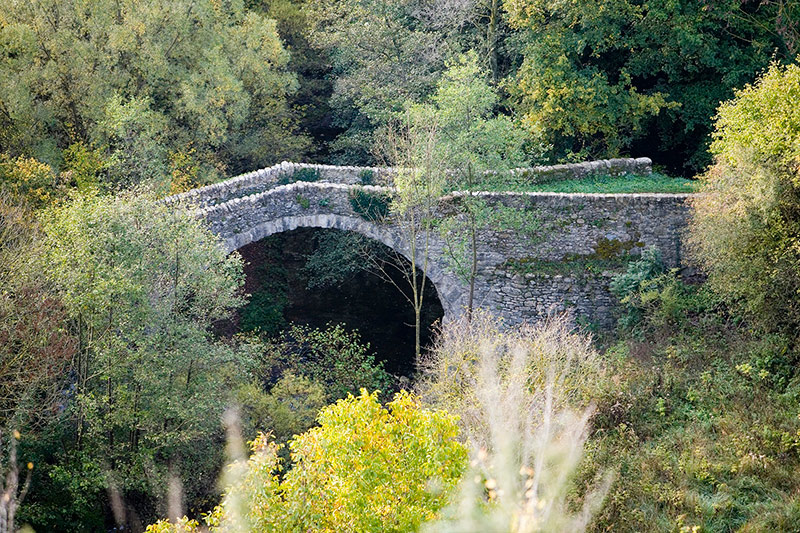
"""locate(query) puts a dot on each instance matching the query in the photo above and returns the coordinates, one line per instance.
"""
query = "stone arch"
(449, 290)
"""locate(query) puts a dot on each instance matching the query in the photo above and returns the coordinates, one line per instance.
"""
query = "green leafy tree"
(142, 283)
(141, 80)
(383, 55)
(606, 77)
(745, 225)
(475, 146)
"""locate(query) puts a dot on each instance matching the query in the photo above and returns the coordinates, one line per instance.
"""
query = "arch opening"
(317, 276)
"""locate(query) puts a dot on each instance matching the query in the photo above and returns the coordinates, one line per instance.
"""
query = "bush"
(301, 174)
(367, 177)
(334, 357)
(289, 408)
(365, 468)
(28, 180)
(306, 174)
(373, 207)
(646, 273)
(745, 228)
(264, 313)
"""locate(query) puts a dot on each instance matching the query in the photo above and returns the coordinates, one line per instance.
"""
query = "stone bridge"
(558, 254)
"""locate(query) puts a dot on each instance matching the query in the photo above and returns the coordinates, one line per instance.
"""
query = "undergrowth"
(703, 424)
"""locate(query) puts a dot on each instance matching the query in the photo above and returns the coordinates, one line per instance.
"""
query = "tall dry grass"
(523, 396)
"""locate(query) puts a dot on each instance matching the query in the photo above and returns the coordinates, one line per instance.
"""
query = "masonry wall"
(559, 252)
(578, 243)
(286, 172)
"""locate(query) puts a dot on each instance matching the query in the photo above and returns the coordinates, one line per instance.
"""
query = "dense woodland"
(149, 380)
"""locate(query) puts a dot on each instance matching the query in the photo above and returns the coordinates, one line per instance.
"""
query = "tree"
(334, 358)
(142, 283)
(745, 225)
(477, 148)
(36, 348)
(410, 146)
(383, 54)
(607, 77)
(143, 80)
(365, 468)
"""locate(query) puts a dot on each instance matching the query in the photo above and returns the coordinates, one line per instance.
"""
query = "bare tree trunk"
(10, 496)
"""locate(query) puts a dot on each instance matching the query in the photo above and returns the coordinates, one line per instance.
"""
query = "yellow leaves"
(365, 468)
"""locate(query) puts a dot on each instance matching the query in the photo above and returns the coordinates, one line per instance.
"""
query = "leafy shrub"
(264, 312)
(84, 165)
(28, 180)
(303, 201)
(745, 228)
(334, 357)
(289, 408)
(646, 273)
(365, 468)
(367, 177)
(370, 206)
(306, 174)
(300, 174)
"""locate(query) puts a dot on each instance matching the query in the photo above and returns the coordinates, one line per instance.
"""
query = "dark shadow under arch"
(361, 301)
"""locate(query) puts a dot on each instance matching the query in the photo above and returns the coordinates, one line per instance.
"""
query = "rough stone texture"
(267, 178)
(562, 260)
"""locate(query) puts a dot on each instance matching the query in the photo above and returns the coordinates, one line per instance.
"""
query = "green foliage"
(365, 468)
(305, 174)
(210, 75)
(381, 57)
(604, 77)
(339, 255)
(334, 357)
(264, 311)
(84, 165)
(636, 287)
(702, 423)
(304, 202)
(366, 177)
(288, 409)
(142, 283)
(626, 183)
(745, 226)
(470, 146)
(474, 144)
(27, 180)
(371, 206)
(301, 174)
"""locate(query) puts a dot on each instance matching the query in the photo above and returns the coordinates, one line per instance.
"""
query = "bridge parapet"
(286, 172)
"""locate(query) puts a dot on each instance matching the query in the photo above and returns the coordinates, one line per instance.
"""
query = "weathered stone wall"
(561, 258)
(284, 173)
(579, 243)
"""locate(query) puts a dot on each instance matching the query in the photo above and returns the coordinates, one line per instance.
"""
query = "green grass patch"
(572, 265)
(625, 183)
